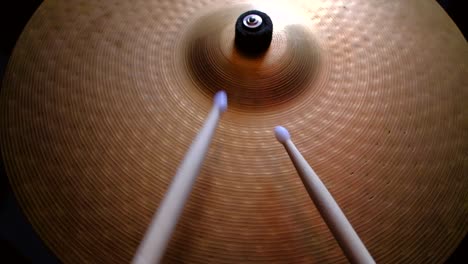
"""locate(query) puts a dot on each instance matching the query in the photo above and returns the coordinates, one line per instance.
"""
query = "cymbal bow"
(101, 99)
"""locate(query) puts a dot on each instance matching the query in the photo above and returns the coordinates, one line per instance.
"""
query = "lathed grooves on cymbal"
(101, 99)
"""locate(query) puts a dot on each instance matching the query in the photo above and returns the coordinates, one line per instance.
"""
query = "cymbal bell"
(259, 81)
(101, 100)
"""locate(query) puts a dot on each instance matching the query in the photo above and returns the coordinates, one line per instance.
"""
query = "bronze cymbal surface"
(101, 100)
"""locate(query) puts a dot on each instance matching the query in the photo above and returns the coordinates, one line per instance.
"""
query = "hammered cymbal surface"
(101, 100)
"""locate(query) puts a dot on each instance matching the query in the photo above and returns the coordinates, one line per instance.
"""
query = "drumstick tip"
(282, 134)
(220, 100)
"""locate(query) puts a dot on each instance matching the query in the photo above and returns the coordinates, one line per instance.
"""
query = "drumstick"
(157, 237)
(336, 221)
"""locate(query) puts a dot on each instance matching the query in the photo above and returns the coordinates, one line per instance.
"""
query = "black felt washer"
(253, 40)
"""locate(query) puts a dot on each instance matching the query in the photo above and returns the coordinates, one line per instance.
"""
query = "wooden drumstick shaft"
(349, 241)
(157, 237)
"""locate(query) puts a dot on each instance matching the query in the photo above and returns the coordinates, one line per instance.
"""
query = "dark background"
(18, 241)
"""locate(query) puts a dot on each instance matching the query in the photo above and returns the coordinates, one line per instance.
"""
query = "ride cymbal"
(101, 100)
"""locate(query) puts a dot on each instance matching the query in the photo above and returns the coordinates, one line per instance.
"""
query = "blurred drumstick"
(157, 237)
(336, 221)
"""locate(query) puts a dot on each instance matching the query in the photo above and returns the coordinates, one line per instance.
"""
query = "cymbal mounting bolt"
(252, 21)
